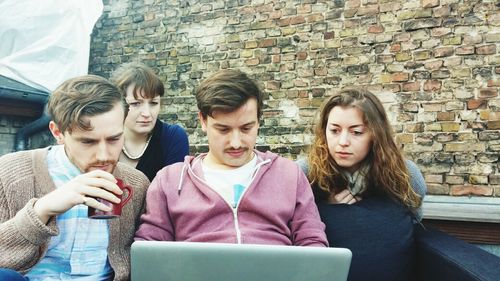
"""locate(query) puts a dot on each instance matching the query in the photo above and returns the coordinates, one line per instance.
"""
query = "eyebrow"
(353, 126)
(93, 139)
(218, 125)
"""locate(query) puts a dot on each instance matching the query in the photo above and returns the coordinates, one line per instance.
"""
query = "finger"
(100, 174)
(99, 193)
(358, 198)
(102, 183)
(352, 201)
(93, 203)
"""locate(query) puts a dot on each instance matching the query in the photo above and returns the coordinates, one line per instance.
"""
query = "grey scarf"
(357, 180)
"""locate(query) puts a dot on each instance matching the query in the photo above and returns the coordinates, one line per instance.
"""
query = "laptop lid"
(193, 261)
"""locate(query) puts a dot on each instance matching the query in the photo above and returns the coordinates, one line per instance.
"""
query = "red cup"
(116, 208)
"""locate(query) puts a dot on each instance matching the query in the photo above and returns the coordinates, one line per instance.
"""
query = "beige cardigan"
(24, 177)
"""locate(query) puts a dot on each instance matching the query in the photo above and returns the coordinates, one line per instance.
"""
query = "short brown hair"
(226, 91)
(141, 76)
(82, 96)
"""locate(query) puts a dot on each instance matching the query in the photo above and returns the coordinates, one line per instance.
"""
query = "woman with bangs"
(150, 144)
(368, 195)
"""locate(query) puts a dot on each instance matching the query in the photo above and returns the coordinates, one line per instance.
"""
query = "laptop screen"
(194, 261)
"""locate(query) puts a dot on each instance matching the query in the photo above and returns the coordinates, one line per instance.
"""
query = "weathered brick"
(476, 103)
(487, 93)
(411, 86)
(486, 50)
(455, 180)
(438, 189)
(432, 85)
(421, 23)
(375, 29)
(430, 3)
(297, 20)
(477, 190)
(493, 125)
(399, 77)
(443, 52)
(445, 116)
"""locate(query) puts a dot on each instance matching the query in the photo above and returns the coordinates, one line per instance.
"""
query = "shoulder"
(172, 129)
(18, 164)
(417, 180)
(132, 176)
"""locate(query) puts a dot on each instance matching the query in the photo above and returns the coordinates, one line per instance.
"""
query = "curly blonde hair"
(388, 173)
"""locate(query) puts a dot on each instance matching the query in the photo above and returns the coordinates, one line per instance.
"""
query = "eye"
(87, 141)
(357, 133)
(246, 129)
(334, 131)
(154, 103)
(134, 104)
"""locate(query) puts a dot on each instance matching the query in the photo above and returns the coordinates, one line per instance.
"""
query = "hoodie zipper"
(235, 208)
(236, 224)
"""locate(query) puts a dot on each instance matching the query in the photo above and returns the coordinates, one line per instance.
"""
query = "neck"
(134, 138)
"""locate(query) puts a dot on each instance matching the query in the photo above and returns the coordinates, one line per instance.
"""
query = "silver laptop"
(192, 261)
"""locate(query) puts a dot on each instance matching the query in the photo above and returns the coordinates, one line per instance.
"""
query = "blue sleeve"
(176, 143)
(417, 182)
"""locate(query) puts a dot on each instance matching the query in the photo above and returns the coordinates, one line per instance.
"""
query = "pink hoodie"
(277, 208)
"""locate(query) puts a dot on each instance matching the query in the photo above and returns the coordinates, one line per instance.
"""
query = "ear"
(58, 135)
(203, 122)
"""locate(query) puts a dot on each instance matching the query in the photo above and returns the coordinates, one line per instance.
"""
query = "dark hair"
(82, 96)
(388, 172)
(141, 76)
(226, 91)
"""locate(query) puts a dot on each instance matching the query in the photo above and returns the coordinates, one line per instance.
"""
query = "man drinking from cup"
(45, 194)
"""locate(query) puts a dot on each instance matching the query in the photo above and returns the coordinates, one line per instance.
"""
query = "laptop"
(194, 261)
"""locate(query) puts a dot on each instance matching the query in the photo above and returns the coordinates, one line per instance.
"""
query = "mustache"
(102, 163)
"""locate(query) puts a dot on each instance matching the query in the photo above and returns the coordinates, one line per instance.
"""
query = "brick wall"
(434, 63)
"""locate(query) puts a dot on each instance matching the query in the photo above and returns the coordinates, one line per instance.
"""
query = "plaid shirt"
(80, 250)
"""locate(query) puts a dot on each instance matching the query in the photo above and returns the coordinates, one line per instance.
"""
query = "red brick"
(487, 93)
(493, 83)
(459, 190)
(267, 43)
(411, 86)
(400, 77)
(476, 103)
(432, 85)
(395, 48)
(297, 20)
(329, 35)
(486, 50)
(301, 55)
(443, 52)
(376, 29)
(465, 50)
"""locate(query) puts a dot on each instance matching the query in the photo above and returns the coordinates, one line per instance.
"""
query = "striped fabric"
(79, 252)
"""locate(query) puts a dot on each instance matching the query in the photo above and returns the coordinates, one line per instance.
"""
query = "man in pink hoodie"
(233, 193)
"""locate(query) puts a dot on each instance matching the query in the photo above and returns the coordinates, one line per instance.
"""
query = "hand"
(343, 197)
(80, 190)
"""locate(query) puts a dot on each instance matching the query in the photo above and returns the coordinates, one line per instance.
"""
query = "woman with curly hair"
(368, 195)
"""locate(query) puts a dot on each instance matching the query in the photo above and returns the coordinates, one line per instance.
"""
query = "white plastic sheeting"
(45, 42)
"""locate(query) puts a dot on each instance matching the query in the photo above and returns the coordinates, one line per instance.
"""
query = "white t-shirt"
(230, 184)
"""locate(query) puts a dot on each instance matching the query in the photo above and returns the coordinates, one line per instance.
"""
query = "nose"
(102, 153)
(344, 139)
(145, 110)
(235, 141)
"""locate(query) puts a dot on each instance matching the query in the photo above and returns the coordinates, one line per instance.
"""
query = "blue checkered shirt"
(79, 252)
